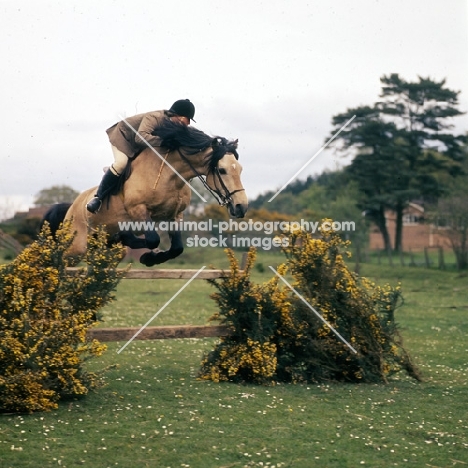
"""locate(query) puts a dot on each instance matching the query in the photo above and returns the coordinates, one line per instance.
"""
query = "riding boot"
(108, 182)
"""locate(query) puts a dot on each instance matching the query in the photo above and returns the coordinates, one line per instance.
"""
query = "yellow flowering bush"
(44, 318)
(246, 354)
(297, 346)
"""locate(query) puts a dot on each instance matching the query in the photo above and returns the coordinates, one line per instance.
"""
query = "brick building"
(417, 232)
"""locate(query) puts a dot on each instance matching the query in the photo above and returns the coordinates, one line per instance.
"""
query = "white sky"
(271, 73)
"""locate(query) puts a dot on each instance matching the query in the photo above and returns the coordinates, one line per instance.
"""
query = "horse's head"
(224, 180)
(216, 158)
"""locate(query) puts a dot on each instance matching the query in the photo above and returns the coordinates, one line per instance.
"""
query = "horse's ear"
(235, 142)
(214, 142)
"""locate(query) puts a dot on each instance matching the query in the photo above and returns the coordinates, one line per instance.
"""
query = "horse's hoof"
(150, 259)
(147, 259)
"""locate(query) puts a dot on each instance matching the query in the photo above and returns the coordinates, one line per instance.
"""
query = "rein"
(222, 198)
(160, 171)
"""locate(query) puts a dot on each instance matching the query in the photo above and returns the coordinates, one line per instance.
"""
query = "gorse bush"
(250, 311)
(274, 336)
(44, 318)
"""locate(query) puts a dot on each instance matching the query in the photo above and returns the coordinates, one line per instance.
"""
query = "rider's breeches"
(120, 161)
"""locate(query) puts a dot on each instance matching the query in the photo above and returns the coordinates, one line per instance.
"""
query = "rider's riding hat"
(184, 108)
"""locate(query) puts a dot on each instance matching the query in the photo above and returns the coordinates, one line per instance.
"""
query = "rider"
(130, 137)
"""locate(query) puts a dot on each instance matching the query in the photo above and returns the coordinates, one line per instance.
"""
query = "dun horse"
(155, 189)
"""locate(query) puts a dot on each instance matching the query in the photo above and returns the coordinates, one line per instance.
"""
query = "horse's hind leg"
(79, 245)
(155, 258)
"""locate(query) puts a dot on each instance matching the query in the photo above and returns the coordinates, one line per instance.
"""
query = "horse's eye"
(222, 171)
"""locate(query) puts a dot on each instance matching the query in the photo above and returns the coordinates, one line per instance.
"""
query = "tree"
(409, 147)
(454, 211)
(375, 165)
(451, 216)
(295, 187)
(422, 111)
(55, 194)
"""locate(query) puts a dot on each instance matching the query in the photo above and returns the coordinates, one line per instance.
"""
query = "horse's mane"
(175, 136)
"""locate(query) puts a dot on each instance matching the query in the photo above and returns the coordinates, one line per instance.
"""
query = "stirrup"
(94, 205)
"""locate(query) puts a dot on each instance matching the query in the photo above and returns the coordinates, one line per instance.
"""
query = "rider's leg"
(109, 180)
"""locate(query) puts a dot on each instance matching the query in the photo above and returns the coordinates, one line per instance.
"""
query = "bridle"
(221, 193)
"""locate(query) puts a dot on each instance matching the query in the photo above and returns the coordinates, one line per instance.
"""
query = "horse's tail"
(55, 216)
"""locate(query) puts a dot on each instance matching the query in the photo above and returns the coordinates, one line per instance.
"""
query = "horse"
(156, 188)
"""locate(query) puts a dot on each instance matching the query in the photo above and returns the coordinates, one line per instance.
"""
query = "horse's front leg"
(151, 238)
(129, 239)
(155, 258)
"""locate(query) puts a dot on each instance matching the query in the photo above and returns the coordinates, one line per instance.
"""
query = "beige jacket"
(130, 135)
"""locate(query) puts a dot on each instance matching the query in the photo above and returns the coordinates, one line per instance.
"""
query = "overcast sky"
(270, 73)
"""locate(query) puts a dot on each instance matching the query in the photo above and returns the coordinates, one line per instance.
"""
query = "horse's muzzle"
(238, 211)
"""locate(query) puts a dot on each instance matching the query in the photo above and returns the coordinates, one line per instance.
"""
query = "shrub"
(274, 336)
(44, 318)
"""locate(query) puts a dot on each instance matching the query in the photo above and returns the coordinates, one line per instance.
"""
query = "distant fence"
(429, 257)
(10, 243)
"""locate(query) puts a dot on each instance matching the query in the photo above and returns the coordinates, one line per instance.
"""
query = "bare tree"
(453, 212)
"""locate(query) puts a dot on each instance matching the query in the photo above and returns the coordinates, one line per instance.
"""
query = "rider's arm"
(150, 122)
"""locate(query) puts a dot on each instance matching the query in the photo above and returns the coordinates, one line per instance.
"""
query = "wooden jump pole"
(173, 273)
(162, 332)
(158, 333)
(162, 274)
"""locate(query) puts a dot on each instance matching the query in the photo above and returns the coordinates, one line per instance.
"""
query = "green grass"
(138, 300)
(155, 413)
(417, 258)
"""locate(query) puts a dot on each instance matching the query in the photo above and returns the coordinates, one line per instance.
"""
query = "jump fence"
(162, 332)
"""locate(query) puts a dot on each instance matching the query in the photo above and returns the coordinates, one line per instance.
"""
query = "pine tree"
(403, 145)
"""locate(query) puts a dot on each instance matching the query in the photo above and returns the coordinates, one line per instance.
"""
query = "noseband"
(221, 193)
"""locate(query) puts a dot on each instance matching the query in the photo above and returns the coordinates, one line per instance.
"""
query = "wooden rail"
(163, 274)
(163, 332)
(158, 333)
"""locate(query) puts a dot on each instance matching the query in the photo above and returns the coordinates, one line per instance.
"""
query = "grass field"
(155, 413)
